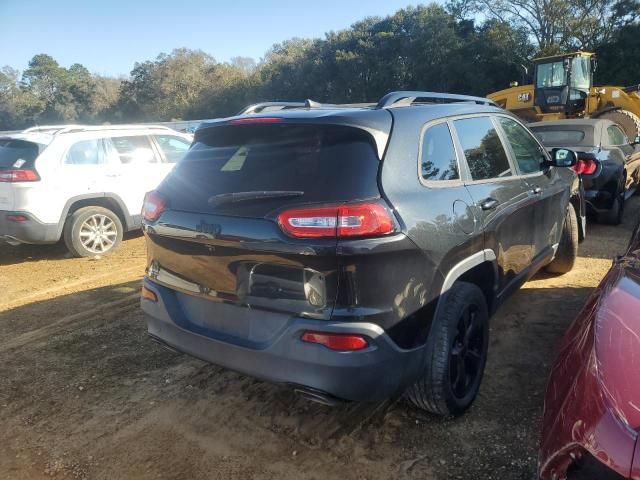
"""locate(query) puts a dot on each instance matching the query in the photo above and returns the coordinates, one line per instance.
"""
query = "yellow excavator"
(563, 88)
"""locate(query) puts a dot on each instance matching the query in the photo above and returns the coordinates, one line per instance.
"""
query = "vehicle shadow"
(14, 254)
(604, 241)
(82, 371)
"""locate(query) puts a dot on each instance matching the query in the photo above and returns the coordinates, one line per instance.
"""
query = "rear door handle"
(536, 190)
(489, 203)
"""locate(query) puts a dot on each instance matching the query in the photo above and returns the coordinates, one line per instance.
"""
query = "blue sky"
(108, 36)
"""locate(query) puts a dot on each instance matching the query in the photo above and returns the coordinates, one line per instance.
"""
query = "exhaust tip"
(163, 345)
(318, 397)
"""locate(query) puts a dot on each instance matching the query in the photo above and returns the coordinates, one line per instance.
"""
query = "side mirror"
(563, 157)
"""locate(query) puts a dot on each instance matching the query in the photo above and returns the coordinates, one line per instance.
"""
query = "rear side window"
(173, 148)
(134, 150)
(616, 136)
(438, 156)
(85, 152)
(528, 153)
(483, 149)
(327, 163)
(15, 153)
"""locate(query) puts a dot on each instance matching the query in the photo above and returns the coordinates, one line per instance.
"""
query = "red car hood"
(618, 348)
(592, 403)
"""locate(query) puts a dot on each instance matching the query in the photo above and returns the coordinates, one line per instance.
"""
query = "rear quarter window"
(438, 159)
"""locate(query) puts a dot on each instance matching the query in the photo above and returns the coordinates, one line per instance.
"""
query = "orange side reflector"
(149, 294)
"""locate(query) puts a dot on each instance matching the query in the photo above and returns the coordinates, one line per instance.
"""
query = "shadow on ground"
(95, 398)
(14, 254)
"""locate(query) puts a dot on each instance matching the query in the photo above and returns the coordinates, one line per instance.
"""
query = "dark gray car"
(355, 252)
(608, 162)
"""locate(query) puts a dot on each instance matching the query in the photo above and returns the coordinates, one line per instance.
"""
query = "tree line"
(427, 47)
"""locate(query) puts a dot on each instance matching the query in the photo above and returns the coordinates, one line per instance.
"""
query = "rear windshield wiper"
(234, 197)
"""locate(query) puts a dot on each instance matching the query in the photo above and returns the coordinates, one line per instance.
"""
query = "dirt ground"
(85, 394)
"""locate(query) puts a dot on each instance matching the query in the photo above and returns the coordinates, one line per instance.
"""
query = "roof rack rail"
(262, 106)
(42, 128)
(406, 98)
(91, 128)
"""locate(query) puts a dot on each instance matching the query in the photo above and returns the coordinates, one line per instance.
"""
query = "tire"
(628, 121)
(613, 216)
(568, 247)
(440, 390)
(81, 228)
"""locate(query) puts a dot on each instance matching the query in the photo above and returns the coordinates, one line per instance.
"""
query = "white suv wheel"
(98, 233)
(92, 231)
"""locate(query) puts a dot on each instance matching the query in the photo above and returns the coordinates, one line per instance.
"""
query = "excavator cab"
(562, 83)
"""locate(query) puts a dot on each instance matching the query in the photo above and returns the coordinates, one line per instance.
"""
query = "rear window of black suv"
(327, 163)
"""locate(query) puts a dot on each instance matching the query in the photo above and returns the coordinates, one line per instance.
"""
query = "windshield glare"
(551, 75)
(580, 73)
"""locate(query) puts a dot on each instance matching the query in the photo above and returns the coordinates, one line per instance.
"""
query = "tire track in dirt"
(106, 310)
(108, 278)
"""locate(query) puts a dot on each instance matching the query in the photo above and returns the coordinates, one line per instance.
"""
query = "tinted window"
(527, 151)
(438, 160)
(560, 137)
(86, 152)
(134, 149)
(16, 153)
(482, 148)
(616, 136)
(173, 148)
(328, 163)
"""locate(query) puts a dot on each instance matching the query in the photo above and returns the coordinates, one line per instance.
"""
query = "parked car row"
(83, 184)
(357, 252)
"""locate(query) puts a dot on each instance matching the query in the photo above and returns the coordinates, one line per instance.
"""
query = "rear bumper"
(372, 374)
(598, 201)
(31, 230)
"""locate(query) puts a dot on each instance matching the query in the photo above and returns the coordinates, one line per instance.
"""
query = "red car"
(592, 404)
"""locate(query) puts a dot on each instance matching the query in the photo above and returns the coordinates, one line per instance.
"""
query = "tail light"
(586, 167)
(153, 206)
(368, 219)
(19, 175)
(148, 294)
(336, 341)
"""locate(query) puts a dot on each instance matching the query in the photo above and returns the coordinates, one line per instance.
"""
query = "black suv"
(355, 251)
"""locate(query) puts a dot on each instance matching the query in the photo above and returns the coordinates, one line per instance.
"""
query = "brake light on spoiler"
(367, 219)
(254, 120)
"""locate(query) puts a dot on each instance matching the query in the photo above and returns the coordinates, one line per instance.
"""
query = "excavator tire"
(630, 122)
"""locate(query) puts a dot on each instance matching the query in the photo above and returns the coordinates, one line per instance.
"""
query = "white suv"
(83, 184)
